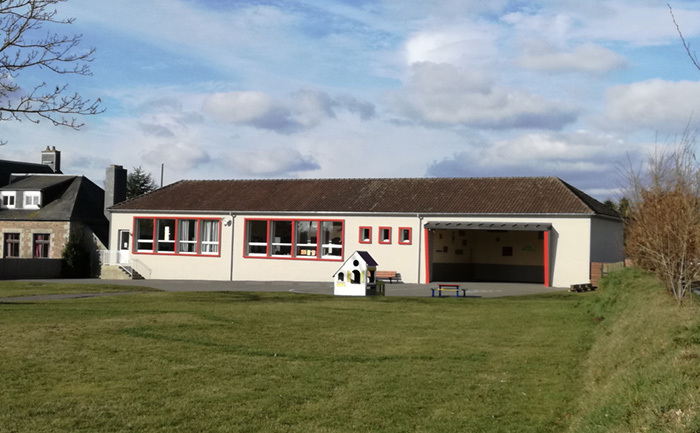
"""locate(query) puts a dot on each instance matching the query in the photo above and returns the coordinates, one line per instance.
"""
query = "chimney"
(115, 187)
(52, 158)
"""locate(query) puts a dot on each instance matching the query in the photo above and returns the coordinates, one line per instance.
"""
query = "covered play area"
(488, 252)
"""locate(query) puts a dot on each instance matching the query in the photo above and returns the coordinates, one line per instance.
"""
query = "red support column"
(427, 257)
(546, 258)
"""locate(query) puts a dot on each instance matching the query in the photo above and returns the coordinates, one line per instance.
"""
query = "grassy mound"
(643, 370)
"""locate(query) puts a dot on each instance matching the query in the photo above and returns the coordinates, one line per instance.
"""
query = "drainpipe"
(420, 243)
(233, 220)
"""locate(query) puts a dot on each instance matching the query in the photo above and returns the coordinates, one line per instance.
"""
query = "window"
(365, 235)
(384, 235)
(32, 199)
(405, 235)
(144, 234)
(301, 239)
(11, 245)
(332, 242)
(166, 235)
(8, 200)
(256, 238)
(41, 246)
(507, 251)
(209, 235)
(306, 238)
(281, 237)
(176, 236)
(187, 236)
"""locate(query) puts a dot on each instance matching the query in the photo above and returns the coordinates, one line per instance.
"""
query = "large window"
(41, 245)
(209, 237)
(176, 236)
(256, 244)
(281, 238)
(11, 243)
(300, 239)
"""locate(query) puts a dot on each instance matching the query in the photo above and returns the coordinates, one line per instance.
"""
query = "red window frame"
(410, 236)
(154, 219)
(368, 240)
(381, 238)
(293, 256)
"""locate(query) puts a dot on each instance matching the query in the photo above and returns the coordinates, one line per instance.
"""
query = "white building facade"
(424, 229)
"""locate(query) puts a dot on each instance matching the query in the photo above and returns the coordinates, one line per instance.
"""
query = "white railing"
(117, 258)
(108, 257)
(139, 267)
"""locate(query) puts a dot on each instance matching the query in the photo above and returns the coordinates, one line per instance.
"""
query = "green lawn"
(622, 359)
(29, 288)
(276, 362)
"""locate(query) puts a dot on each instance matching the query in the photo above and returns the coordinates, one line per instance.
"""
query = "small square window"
(365, 235)
(384, 235)
(405, 236)
(507, 251)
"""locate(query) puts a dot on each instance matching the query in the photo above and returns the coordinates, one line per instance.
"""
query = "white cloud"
(588, 57)
(272, 162)
(238, 107)
(656, 105)
(178, 155)
(473, 43)
(302, 110)
(444, 95)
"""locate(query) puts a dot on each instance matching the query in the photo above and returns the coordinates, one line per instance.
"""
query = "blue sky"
(319, 88)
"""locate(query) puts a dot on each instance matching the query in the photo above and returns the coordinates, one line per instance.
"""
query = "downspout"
(233, 220)
(420, 243)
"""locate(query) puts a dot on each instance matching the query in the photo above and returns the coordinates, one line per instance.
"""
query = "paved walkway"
(477, 290)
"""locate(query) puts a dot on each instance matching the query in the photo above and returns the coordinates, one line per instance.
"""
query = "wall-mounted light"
(228, 223)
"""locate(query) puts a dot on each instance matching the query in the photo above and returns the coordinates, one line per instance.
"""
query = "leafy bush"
(76, 258)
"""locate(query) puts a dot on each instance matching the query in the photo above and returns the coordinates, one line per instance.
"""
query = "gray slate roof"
(65, 198)
(503, 195)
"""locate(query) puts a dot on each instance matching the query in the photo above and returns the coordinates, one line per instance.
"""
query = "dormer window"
(32, 200)
(8, 199)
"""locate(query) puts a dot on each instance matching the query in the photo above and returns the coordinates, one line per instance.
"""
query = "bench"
(581, 287)
(387, 275)
(448, 288)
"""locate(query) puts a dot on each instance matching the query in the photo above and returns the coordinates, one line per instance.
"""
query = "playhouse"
(357, 276)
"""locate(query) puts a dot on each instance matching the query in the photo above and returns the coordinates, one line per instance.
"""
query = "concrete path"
(478, 290)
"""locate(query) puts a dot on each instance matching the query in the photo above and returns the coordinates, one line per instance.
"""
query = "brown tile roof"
(496, 195)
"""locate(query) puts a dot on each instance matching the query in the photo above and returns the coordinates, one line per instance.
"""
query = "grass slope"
(277, 362)
(643, 371)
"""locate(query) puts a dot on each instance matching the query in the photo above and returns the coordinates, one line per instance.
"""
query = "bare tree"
(663, 226)
(686, 45)
(25, 47)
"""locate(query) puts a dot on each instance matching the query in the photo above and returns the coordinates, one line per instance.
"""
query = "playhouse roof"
(494, 195)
